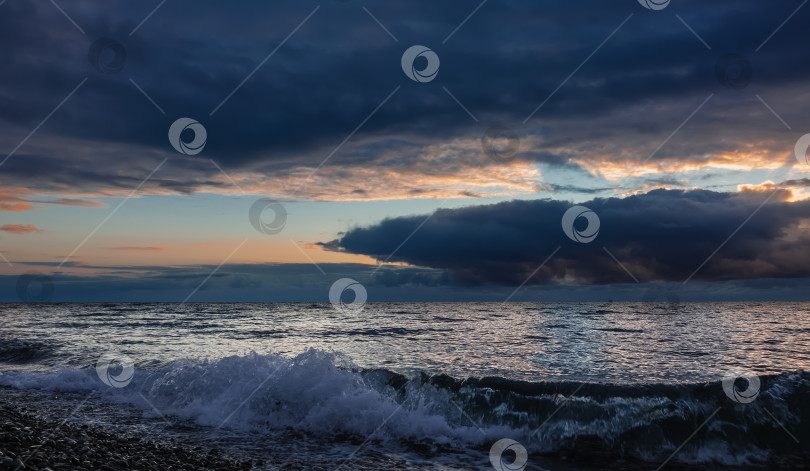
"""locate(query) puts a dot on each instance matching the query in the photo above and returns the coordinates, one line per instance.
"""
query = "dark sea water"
(431, 385)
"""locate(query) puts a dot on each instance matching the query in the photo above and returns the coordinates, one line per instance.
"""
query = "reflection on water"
(594, 342)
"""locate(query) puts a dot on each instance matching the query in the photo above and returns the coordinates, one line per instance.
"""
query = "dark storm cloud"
(660, 235)
(340, 65)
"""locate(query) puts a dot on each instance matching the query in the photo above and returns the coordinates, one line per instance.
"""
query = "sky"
(463, 150)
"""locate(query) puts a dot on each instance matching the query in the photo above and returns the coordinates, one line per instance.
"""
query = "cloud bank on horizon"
(662, 235)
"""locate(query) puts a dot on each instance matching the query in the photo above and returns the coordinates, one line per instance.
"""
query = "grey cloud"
(333, 72)
(660, 235)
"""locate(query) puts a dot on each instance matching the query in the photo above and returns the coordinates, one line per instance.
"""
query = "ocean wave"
(326, 394)
(15, 351)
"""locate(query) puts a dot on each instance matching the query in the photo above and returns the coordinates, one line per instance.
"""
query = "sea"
(449, 386)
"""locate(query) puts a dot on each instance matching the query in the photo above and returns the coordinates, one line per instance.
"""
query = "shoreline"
(46, 430)
(29, 440)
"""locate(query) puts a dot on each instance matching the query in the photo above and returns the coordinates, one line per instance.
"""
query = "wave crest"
(326, 394)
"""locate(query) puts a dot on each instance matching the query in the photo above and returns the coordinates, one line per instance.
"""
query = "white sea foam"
(315, 392)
